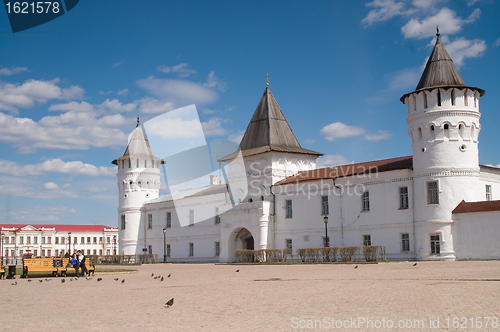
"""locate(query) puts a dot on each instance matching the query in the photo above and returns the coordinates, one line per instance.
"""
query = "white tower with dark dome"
(138, 182)
(443, 120)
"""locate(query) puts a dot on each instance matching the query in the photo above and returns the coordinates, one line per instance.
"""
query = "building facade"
(20, 240)
(438, 204)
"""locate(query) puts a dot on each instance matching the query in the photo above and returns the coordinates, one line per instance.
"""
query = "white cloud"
(178, 92)
(25, 95)
(331, 160)
(73, 168)
(33, 189)
(119, 63)
(123, 92)
(384, 10)
(39, 213)
(51, 186)
(339, 130)
(496, 43)
(115, 106)
(175, 128)
(12, 71)
(213, 127)
(72, 106)
(181, 70)
(380, 135)
(403, 79)
(105, 92)
(94, 189)
(154, 106)
(446, 19)
(309, 141)
(236, 138)
(69, 130)
(214, 82)
(462, 48)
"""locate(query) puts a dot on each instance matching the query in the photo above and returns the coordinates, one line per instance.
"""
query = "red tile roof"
(471, 207)
(352, 169)
(62, 228)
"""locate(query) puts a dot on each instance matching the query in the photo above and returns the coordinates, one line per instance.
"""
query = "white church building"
(437, 204)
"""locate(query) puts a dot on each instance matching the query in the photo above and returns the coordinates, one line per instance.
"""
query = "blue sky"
(71, 89)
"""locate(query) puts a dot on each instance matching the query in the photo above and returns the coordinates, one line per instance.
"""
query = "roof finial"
(137, 121)
(267, 79)
(437, 31)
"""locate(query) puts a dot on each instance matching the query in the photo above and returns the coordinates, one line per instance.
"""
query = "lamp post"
(69, 243)
(114, 244)
(325, 219)
(3, 237)
(165, 245)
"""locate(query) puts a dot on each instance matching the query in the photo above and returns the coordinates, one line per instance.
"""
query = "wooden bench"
(2, 272)
(38, 265)
(63, 270)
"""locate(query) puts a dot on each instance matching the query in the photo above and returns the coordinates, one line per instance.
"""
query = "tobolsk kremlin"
(437, 204)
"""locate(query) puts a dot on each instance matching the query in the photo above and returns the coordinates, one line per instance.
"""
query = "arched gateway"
(239, 239)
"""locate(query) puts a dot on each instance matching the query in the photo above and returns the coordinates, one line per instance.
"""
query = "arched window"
(453, 97)
(129, 163)
(419, 134)
(432, 132)
(461, 130)
(250, 200)
(425, 99)
(446, 130)
(439, 97)
(261, 198)
(466, 99)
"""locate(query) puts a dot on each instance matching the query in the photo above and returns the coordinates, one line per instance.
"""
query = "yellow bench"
(63, 270)
(2, 272)
(38, 265)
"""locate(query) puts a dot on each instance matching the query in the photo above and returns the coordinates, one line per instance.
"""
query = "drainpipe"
(273, 216)
(341, 214)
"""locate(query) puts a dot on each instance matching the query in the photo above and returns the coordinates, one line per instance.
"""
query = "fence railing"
(322, 254)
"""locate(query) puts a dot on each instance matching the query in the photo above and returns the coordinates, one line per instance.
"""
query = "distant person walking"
(81, 259)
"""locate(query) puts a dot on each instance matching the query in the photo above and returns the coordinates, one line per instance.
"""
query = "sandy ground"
(212, 297)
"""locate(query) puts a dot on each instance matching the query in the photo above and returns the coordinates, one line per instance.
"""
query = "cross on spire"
(267, 79)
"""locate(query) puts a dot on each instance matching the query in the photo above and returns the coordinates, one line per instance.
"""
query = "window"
(88, 251)
(453, 97)
(88, 240)
(488, 192)
(100, 239)
(108, 239)
(288, 243)
(95, 251)
(405, 242)
(43, 252)
(49, 240)
(439, 97)
(82, 240)
(95, 239)
(432, 193)
(365, 201)
(217, 217)
(217, 248)
(35, 239)
(122, 226)
(35, 252)
(150, 221)
(129, 164)
(466, 99)
(57, 252)
(100, 252)
(169, 220)
(75, 240)
(62, 239)
(425, 100)
(43, 240)
(191, 249)
(56, 240)
(21, 240)
(324, 205)
(367, 240)
(288, 208)
(49, 253)
(435, 247)
(28, 239)
(7, 240)
(191, 218)
(168, 250)
(108, 252)
(150, 249)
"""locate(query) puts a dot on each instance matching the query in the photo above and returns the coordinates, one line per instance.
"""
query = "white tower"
(443, 120)
(138, 182)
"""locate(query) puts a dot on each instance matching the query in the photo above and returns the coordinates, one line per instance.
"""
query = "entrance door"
(250, 243)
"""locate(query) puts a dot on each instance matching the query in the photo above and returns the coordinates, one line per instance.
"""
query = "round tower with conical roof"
(138, 182)
(443, 121)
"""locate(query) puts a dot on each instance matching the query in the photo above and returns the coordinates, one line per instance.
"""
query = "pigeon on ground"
(156, 277)
(76, 278)
(356, 267)
(14, 283)
(152, 274)
(71, 279)
(123, 280)
(161, 279)
(238, 270)
(415, 264)
(29, 280)
(116, 279)
(47, 279)
(169, 275)
(169, 303)
(62, 280)
(99, 279)
(41, 280)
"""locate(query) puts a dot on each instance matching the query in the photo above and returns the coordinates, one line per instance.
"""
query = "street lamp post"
(114, 244)
(165, 245)
(325, 219)
(3, 237)
(69, 243)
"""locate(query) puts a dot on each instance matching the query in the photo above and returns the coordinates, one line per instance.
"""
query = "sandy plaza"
(212, 297)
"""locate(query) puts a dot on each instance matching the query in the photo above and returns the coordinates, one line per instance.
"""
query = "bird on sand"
(62, 280)
(116, 279)
(152, 274)
(14, 283)
(161, 279)
(238, 270)
(356, 267)
(123, 281)
(99, 279)
(169, 303)
(29, 280)
(415, 264)
(41, 280)
(169, 275)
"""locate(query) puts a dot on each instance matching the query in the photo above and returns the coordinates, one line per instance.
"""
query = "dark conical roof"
(268, 130)
(440, 71)
(138, 146)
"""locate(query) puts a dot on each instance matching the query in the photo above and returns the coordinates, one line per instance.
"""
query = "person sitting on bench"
(75, 263)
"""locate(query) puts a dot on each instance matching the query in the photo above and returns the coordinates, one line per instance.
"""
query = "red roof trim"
(63, 228)
(471, 207)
